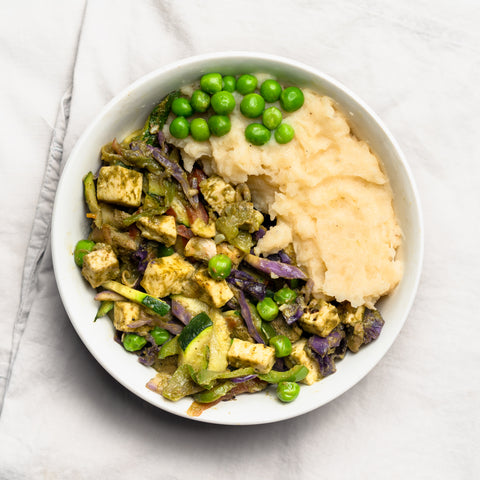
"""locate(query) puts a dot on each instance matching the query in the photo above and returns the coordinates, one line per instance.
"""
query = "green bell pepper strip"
(157, 118)
(180, 385)
(295, 374)
(207, 378)
(215, 393)
(153, 304)
(169, 348)
(268, 331)
(91, 198)
(104, 308)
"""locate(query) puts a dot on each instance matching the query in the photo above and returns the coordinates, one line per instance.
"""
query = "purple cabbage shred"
(246, 282)
(280, 269)
(243, 379)
(247, 317)
(179, 311)
(140, 259)
(177, 172)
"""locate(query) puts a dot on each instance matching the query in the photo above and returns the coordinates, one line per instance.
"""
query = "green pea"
(252, 105)
(181, 107)
(288, 391)
(223, 103)
(179, 127)
(219, 125)
(199, 129)
(164, 251)
(211, 83)
(270, 90)
(229, 83)
(219, 266)
(285, 295)
(160, 335)
(267, 309)
(81, 249)
(272, 118)
(284, 133)
(200, 101)
(133, 342)
(246, 84)
(282, 345)
(291, 99)
(257, 134)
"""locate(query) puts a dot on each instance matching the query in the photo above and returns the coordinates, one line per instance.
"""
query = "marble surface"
(417, 414)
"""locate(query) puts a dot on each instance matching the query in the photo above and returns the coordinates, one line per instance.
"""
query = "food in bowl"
(230, 258)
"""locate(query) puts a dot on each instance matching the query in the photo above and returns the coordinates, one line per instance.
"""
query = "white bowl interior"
(127, 112)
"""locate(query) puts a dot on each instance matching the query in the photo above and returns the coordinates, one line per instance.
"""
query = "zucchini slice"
(194, 341)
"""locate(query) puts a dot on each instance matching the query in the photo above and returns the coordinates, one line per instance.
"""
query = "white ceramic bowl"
(126, 112)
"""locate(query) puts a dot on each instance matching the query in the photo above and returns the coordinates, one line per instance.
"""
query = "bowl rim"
(238, 55)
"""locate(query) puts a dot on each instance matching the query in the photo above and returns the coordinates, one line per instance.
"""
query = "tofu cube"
(320, 318)
(200, 248)
(167, 275)
(248, 354)
(202, 229)
(125, 314)
(233, 253)
(161, 228)
(300, 356)
(218, 291)
(217, 193)
(100, 265)
(120, 185)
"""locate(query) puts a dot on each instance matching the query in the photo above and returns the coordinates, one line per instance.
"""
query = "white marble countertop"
(417, 414)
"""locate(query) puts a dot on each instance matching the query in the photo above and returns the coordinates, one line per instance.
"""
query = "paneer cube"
(167, 275)
(301, 356)
(161, 228)
(248, 354)
(126, 314)
(218, 291)
(100, 265)
(120, 185)
(320, 318)
(200, 248)
(217, 193)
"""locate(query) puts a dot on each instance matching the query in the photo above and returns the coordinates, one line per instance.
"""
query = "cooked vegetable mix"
(171, 254)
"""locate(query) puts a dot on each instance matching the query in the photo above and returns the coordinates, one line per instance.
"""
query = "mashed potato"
(328, 193)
